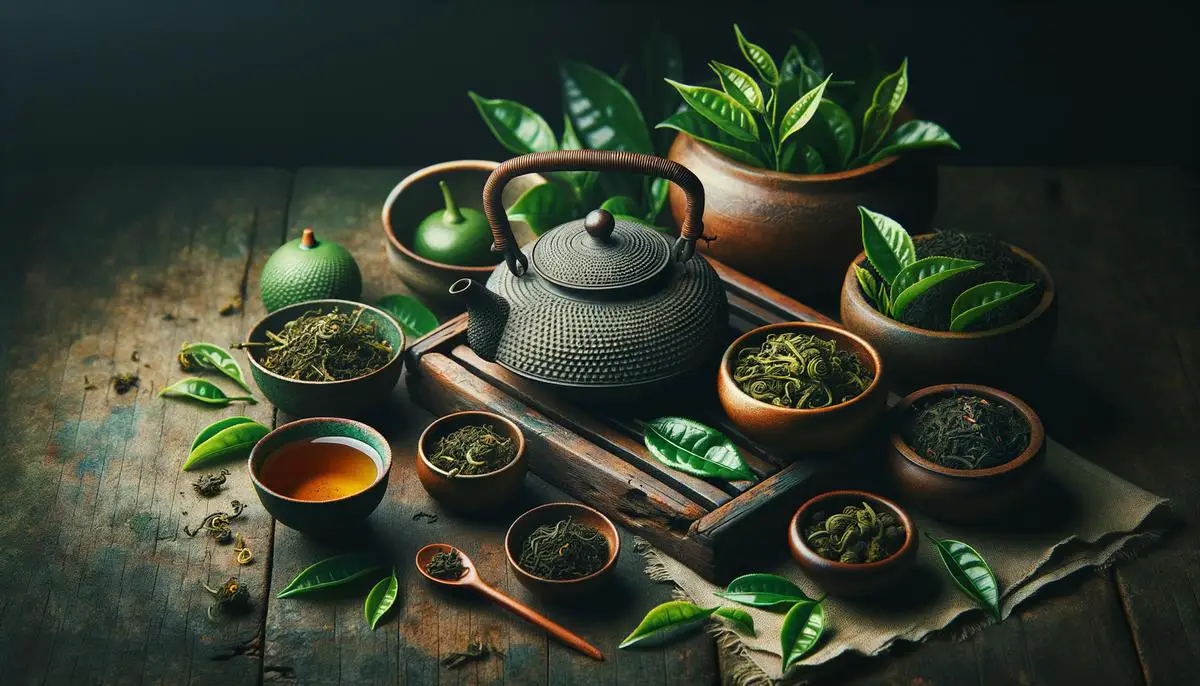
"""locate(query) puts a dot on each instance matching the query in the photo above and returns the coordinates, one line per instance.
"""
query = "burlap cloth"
(1092, 518)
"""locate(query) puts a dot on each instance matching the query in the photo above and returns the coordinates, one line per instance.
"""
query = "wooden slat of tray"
(709, 525)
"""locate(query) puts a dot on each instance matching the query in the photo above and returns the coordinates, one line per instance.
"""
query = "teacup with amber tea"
(322, 474)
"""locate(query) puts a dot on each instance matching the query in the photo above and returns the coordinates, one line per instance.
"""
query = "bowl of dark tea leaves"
(562, 550)
(326, 358)
(798, 387)
(852, 543)
(965, 453)
(472, 461)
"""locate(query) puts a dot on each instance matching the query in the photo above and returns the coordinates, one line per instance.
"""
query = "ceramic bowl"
(964, 495)
(789, 431)
(921, 357)
(348, 398)
(842, 578)
(416, 197)
(471, 493)
(549, 514)
(327, 517)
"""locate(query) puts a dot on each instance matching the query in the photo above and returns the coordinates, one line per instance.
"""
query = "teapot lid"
(600, 252)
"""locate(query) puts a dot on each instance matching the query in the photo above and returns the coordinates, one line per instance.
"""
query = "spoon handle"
(555, 630)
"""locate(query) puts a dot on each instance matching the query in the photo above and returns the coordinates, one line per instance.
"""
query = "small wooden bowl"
(843, 578)
(478, 492)
(786, 430)
(347, 398)
(549, 514)
(920, 357)
(327, 517)
(416, 197)
(965, 495)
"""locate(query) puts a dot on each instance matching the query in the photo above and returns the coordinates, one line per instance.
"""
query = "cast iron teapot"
(601, 307)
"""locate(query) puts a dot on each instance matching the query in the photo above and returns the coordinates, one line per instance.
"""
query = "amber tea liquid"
(324, 468)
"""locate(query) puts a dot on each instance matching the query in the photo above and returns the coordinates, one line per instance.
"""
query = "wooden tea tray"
(715, 528)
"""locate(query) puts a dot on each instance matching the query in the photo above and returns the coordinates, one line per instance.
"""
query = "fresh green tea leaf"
(810, 54)
(216, 427)
(728, 114)
(763, 590)
(792, 64)
(605, 115)
(414, 318)
(380, 599)
(695, 448)
(758, 57)
(802, 111)
(970, 572)
(202, 391)
(740, 619)
(580, 181)
(888, 246)
(706, 132)
(915, 135)
(518, 128)
(870, 287)
(229, 442)
(330, 572)
(656, 197)
(212, 356)
(889, 95)
(831, 132)
(667, 621)
(740, 85)
(922, 275)
(802, 628)
(543, 207)
(978, 300)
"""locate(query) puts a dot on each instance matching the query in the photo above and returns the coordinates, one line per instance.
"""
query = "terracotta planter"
(921, 357)
(796, 232)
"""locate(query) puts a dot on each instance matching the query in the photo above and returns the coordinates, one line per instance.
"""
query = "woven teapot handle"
(590, 160)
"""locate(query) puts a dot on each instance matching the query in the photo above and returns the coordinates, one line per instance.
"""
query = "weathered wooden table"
(110, 271)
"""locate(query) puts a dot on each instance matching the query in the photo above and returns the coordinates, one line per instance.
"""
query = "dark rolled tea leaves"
(447, 565)
(471, 450)
(967, 432)
(855, 535)
(218, 524)
(232, 597)
(208, 485)
(564, 550)
(800, 371)
(325, 347)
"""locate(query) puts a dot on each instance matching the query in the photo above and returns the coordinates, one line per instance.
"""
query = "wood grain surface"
(100, 585)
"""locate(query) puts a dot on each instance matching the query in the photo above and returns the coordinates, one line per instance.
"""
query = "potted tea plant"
(788, 152)
(947, 306)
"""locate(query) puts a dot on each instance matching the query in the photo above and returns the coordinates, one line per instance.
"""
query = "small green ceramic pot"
(349, 398)
(330, 516)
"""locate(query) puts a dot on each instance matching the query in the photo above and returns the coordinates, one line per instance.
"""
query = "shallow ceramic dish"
(549, 514)
(789, 431)
(477, 492)
(921, 357)
(965, 495)
(416, 197)
(321, 518)
(348, 398)
(843, 578)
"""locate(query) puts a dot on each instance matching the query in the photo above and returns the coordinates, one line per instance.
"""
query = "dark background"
(296, 83)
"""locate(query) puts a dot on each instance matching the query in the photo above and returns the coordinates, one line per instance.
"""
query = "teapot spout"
(487, 314)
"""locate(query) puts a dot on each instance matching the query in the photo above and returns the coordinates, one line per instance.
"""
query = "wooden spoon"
(471, 579)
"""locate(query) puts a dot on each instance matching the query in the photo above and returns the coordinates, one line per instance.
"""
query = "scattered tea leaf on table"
(667, 621)
(202, 391)
(920, 276)
(759, 57)
(233, 441)
(416, 319)
(216, 427)
(380, 599)
(763, 590)
(604, 114)
(978, 300)
(886, 101)
(692, 447)
(888, 246)
(802, 628)
(970, 571)
(915, 135)
(212, 356)
(517, 127)
(330, 572)
(740, 619)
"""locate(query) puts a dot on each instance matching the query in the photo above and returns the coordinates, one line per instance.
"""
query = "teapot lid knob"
(599, 224)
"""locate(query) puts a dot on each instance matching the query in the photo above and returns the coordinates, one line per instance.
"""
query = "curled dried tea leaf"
(330, 346)
(124, 382)
(476, 650)
(232, 597)
(446, 564)
(208, 485)
(218, 524)
(241, 551)
(471, 450)
(564, 550)
(800, 371)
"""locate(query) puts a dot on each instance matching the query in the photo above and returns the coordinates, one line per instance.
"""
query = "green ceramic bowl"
(355, 397)
(320, 518)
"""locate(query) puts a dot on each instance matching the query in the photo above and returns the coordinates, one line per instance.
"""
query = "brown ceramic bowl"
(965, 495)
(418, 195)
(787, 431)
(796, 231)
(549, 514)
(477, 492)
(843, 578)
(921, 357)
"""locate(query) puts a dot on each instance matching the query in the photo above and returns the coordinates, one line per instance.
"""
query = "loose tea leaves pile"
(800, 371)
(475, 449)
(967, 432)
(564, 550)
(447, 565)
(208, 485)
(855, 535)
(325, 347)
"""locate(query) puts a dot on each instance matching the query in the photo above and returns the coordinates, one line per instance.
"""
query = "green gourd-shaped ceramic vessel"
(309, 269)
(455, 235)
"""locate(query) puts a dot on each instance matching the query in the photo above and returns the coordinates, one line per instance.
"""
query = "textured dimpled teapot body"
(598, 304)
